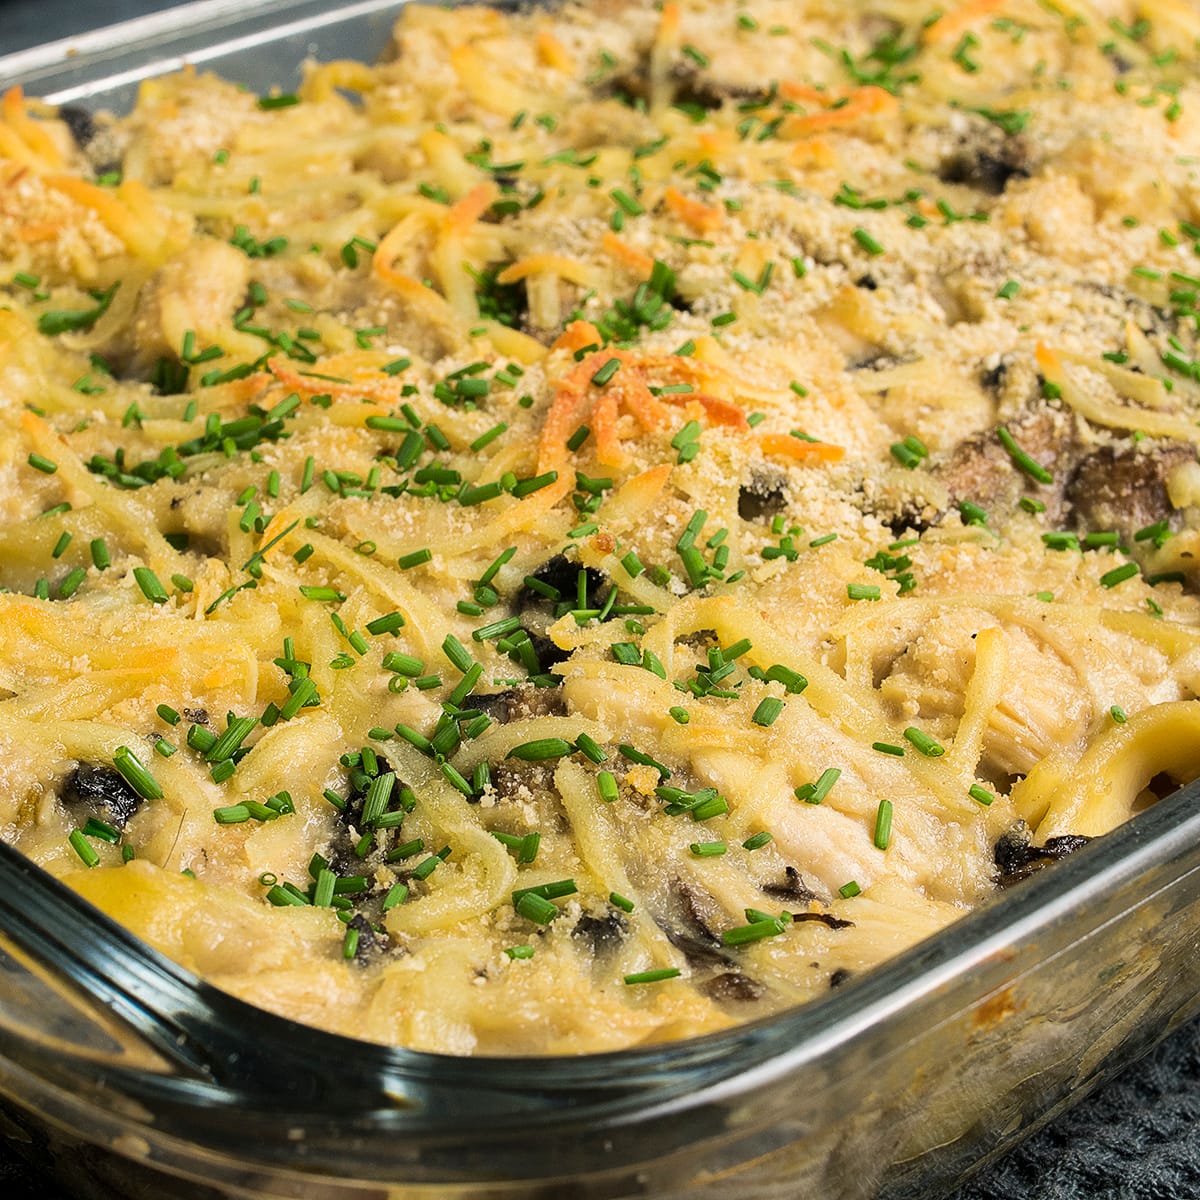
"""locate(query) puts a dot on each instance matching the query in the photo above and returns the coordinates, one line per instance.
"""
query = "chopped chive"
(1118, 714)
(888, 748)
(71, 583)
(656, 976)
(606, 784)
(485, 439)
(100, 556)
(756, 931)
(415, 559)
(708, 849)
(326, 594)
(519, 952)
(849, 890)
(1118, 575)
(150, 585)
(1009, 290)
(814, 793)
(541, 750)
(235, 734)
(386, 624)
(768, 711)
(96, 828)
(590, 749)
(233, 814)
(758, 841)
(136, 775)
(1021, 459)
(867, 242)
(83, 848)
(527, 487)
(168, 714)
(883, 825)
(457, 653)
(928, 746)
(981, 794)
(39, 463)
(305, 693)
(863, 591)
(536, 908)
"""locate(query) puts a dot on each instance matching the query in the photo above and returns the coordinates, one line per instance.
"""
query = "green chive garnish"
(767, 711)
(981, 794)
(83, 848)
(136, 775)
(1021, 459)
(883, 825)
(928, 746)
(541, 750)
(653, 976)
(1118, 575)
(415, 559)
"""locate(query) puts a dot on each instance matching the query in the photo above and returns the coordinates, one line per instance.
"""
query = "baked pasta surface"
(612, 521)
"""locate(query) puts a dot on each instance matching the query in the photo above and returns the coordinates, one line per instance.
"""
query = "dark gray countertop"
(1138, 1138)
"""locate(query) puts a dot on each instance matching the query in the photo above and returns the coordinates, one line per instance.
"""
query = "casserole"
(796, 1165)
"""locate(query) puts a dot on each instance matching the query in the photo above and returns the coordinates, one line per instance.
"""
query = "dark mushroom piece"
(1016, 858)
(733, 987)
(537, 610)
(80, 122)
(980, 470)
(371, 942)
(519, 703)
(100, 792)
(763, 497)
(1124, 488)
(988, 160)
(687, 922)
(792, 888)
(602, 934)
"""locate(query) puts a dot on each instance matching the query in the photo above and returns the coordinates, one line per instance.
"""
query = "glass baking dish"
(898, 1084)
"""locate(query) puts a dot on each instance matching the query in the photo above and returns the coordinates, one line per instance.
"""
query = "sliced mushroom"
(100, 792)
(1124, 487)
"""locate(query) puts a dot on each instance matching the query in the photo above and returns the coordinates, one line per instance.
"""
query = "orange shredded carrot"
(553, 53)
(808, 453)
(948, 24)
(1050, 363)
(12, 147)
(577, 335)
(636, 260)
(561, 420)
(701, 217)
(668, 23)
(28, 130)
(40, 231)
(604, 426)
(720, 412)
(465, 212)
(812, 152)
(791, 90)
(868, 101)
(111, 208)
(292, 379)
(554, 264)
(637, 397)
